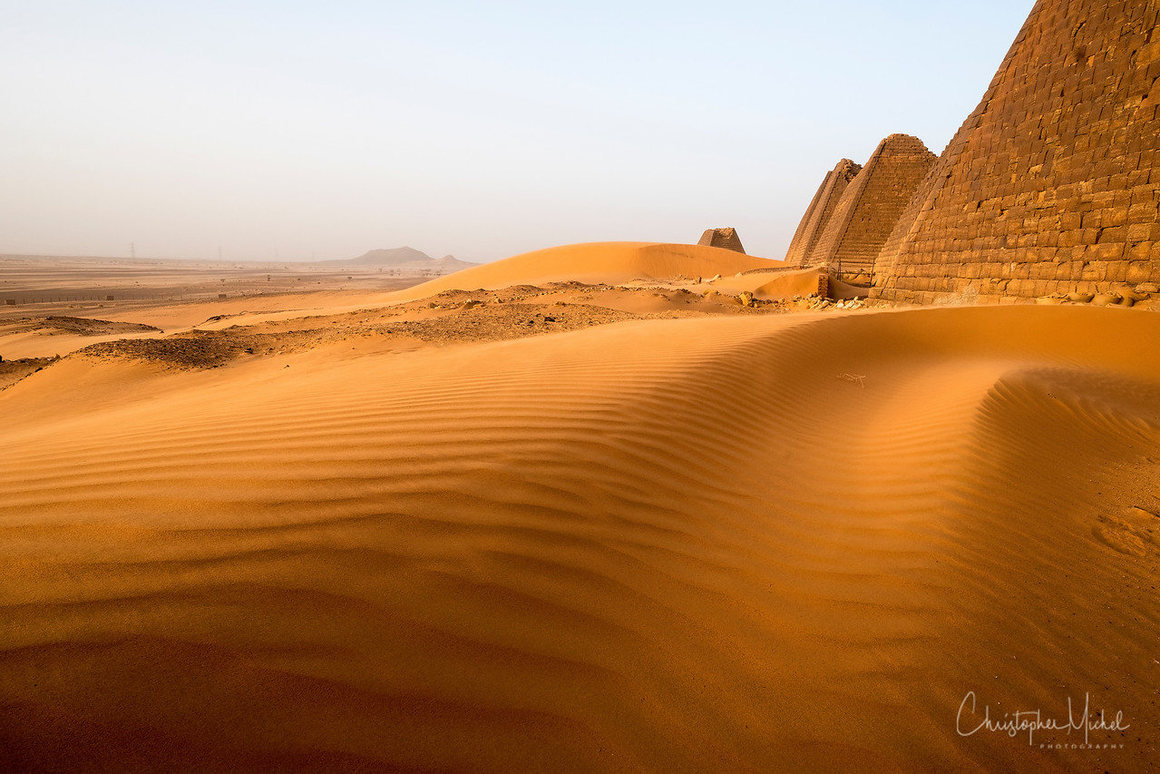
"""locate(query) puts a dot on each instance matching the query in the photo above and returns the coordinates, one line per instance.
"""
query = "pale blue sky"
(481, 129)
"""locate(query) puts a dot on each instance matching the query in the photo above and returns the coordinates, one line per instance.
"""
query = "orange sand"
(608, 262)
(780, 283)
(732, 543)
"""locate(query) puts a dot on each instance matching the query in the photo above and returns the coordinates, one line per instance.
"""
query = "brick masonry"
(869, 207)
(813, 223)
(1053, 183)
(722, 237)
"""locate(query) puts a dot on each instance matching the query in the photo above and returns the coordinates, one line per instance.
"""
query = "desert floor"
(584, 510)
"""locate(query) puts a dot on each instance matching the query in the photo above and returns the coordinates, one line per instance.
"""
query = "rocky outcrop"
(406, 259)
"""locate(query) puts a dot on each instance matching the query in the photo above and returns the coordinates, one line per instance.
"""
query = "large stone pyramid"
(866, 213)
(813, 223)
(1053, 183)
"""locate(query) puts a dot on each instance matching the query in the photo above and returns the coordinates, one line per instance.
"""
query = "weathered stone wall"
(1053, 183)
(870, 206)
(722, 237)
(825, 201)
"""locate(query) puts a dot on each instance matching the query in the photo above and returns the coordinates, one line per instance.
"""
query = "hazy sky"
(481, 129)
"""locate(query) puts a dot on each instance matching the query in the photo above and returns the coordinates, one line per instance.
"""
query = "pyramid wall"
(821, 208)
(1053, 183)
(871, 204)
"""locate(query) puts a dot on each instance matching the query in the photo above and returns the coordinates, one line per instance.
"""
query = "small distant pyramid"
(1052, 185)
(722, 237)
(822, 206)
(870, 206)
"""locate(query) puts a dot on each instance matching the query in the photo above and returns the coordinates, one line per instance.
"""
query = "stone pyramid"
(869, 207)
(1053, 183)
(822, 206)
(722, 237)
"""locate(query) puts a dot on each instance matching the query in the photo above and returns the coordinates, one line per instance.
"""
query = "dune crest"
(607, 262)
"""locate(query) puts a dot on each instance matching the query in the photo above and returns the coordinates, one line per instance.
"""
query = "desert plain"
(620, 506)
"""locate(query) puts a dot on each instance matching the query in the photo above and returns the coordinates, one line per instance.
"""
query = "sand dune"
(777, 283)
(731, 543)
(608, 262)
(603, 262)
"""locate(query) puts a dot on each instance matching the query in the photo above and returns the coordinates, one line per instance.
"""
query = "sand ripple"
(715, 543)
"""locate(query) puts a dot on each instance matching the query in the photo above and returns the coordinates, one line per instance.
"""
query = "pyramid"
(820, 209)
(722, 237)
(1053, 184)
(869, 207)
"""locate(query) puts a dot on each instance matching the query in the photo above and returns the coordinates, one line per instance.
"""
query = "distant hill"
(407, 258)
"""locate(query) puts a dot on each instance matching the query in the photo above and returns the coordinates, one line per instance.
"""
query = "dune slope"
(728, 543)
(607, 262)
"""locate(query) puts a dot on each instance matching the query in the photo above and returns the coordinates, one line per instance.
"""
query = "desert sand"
(600, 262)
(579, 511)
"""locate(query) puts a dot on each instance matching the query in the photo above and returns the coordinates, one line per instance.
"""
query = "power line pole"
(133, 250)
